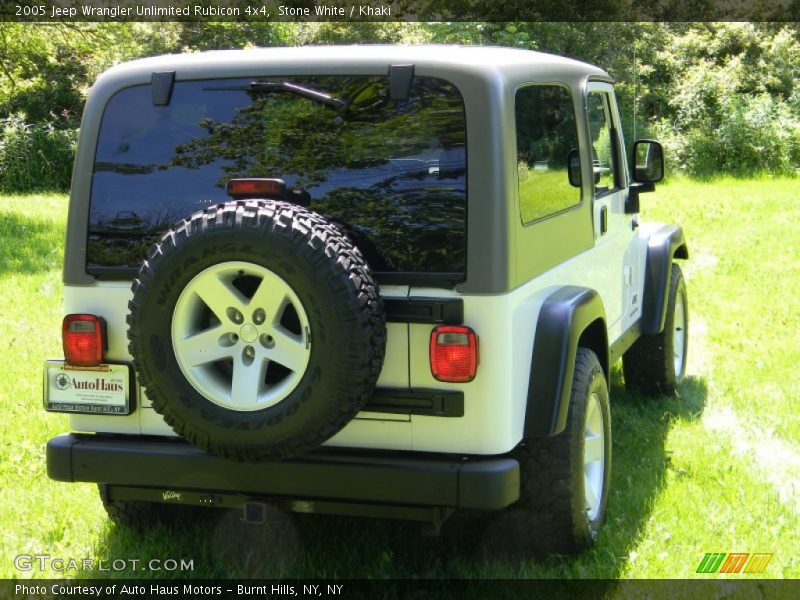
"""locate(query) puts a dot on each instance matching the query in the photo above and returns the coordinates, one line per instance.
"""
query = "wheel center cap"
(248, 333)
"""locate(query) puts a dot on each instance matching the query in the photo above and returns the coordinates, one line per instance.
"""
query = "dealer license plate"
(104, 389)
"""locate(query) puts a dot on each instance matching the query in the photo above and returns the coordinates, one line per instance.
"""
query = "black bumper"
(333, 474)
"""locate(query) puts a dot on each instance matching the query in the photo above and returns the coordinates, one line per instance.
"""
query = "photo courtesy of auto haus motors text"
(182, 590)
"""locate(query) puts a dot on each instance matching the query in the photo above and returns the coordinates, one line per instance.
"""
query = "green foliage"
(47, 68)
(364, 33)
(752, 134)
(728, 97)
(45, 72)
(35, 157)
(603, 146)
(197, 37)
(724, 97)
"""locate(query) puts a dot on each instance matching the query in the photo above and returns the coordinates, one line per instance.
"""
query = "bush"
(35, 157)
(750, 134)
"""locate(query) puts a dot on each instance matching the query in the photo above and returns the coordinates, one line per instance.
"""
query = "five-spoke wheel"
(241, 336)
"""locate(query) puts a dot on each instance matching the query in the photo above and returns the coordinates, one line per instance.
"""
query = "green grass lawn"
(714, 469)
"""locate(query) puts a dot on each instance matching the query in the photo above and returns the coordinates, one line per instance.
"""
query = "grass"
(713, 469)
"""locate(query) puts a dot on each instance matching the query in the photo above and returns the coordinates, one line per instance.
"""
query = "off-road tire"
(327, 273)
(648, 366)
(550, 516)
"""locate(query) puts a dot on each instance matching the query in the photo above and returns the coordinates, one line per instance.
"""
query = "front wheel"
(656, 363)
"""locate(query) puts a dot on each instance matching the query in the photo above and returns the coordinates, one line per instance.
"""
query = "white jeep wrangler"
(378, 281)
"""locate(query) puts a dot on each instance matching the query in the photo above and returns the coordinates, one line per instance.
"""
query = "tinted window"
(546, 132)
(604, 163)
(393, 173)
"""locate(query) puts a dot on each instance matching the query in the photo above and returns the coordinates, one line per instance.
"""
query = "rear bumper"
(333, 474)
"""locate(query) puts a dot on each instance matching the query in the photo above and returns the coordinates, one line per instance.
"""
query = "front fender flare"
(664, 245)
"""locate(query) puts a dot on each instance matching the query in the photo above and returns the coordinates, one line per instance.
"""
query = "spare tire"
(256, 329)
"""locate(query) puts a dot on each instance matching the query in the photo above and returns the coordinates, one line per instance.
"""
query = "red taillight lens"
(454, 353)
(257, 188)
(83, 337)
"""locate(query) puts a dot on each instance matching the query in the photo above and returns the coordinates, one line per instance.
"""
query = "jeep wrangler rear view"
(378, 281)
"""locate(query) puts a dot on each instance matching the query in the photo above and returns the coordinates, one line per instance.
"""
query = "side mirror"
(574, 168)
(648, 161)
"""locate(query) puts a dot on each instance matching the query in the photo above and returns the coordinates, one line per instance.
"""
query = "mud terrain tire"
(256, 329)
(564, 478)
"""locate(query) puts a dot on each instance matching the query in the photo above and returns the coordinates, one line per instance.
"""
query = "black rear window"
(391, 172)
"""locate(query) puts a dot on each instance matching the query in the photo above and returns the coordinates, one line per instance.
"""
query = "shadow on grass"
(302, 546)
(28, 245)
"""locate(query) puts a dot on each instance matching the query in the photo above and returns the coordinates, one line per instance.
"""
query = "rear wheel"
(565, 478)
(656, 363)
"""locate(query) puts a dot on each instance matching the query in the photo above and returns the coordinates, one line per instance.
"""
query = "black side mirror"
(648, 161)
(574, 168)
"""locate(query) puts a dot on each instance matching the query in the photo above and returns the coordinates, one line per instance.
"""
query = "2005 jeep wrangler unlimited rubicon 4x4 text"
(378, 281)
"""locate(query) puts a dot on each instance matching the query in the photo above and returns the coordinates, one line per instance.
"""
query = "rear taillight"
(454, 353)
(84, 339)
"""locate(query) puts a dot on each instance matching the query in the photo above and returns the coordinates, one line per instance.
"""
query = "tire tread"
(335, 258)
(647, 365)
(550, 521)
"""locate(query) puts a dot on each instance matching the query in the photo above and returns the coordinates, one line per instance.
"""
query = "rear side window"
(392, 173)
(546, 133)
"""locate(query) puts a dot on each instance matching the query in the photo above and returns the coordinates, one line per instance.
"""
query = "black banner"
(732, 588)
(399, 10)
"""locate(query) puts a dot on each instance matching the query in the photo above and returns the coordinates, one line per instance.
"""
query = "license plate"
(104, 389)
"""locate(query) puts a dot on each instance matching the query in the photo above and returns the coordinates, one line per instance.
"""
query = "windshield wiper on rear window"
(266, 87)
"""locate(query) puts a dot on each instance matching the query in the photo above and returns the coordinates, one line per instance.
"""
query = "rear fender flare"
(563, 318)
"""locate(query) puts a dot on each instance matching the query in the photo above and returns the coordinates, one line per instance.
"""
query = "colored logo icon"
(735, 562)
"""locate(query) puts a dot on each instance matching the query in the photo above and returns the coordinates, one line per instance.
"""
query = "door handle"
(603, 220)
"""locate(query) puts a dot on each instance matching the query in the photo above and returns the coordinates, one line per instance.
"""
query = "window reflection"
(546, 133)
(392, 173)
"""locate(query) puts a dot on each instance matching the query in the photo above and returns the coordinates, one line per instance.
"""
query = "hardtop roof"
(426, 58)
